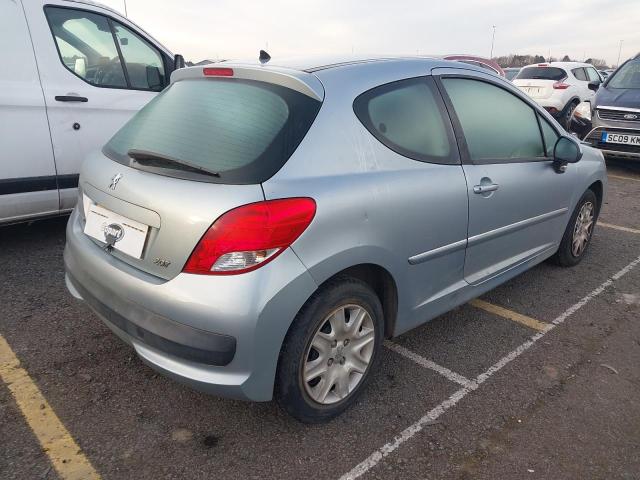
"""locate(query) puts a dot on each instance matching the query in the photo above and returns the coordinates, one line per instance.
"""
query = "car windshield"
(628, 76)
(236, 131)
(541, 73)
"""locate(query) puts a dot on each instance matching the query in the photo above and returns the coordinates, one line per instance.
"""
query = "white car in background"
(559, 87)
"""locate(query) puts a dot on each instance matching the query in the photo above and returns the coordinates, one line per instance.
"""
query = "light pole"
(125, 8)
(619, 53)
(493, 39)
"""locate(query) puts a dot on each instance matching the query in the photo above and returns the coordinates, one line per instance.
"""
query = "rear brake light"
(217, 72)
(560, 85)
(250, 236)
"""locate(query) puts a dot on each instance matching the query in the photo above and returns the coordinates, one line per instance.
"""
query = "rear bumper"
(218, 334)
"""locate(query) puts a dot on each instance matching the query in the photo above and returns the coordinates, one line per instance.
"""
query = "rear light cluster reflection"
(250, 236)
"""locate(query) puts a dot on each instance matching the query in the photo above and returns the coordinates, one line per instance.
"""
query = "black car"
(611, 122)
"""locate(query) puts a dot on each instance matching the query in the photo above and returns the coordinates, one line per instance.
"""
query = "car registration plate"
(122, 233)
(622, 138)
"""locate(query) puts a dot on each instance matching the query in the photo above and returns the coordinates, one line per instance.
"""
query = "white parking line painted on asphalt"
(620, 177)
(618, 227)
(408, 433)
(423, 362)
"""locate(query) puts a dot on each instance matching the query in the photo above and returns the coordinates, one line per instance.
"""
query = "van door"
(27, 170)
(97, 71)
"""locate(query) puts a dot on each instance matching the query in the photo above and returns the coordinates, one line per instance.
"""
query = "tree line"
(514, 60)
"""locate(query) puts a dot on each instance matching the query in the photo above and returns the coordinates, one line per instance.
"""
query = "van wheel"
(577, 235)
(330, 351)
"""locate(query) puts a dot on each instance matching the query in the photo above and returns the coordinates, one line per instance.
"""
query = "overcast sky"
(212, 29)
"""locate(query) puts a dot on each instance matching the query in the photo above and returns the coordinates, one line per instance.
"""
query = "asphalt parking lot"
(539, 380)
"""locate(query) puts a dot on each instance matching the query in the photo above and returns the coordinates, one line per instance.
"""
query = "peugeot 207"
(257, 230)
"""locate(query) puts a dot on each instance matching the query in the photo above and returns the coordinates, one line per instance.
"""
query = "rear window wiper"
(159, 160)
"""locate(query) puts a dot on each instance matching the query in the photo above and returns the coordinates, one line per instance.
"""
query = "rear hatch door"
(199, 149)
(537, 81)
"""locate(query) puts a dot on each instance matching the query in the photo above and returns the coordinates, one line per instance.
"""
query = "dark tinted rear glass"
(541, 73)
(244, 130)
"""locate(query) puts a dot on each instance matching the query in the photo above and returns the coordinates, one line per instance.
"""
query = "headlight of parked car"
(583, 110)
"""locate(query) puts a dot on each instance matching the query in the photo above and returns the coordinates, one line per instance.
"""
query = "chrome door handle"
(485, 188)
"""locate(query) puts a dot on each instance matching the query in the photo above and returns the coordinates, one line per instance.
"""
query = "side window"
(408, 117)
(86, 46)
(497, 125)
(593, 75)
(143, 62)
(550, 136)
(579, 74)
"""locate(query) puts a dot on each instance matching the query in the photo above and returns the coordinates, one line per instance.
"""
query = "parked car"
(73, 73)
(257, 230)
(559, 86)
(603, 74)
(511, 72)
(611, 120)
(481, 62)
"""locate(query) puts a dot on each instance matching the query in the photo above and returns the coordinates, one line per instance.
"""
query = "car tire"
(567, 114)
(323, 342)
(577, 235)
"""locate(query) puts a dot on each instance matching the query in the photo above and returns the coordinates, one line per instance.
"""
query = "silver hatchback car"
(257, 230)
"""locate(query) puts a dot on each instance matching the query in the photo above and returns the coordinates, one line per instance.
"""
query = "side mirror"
(565, 151)
(178, 62)
(595, 85)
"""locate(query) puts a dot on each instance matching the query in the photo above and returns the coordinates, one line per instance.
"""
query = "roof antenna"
(264, 56)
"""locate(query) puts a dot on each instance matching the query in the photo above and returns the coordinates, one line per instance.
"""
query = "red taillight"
(250, 236)
(560, 85)
(217, 72)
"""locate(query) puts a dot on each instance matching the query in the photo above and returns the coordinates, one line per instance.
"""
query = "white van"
(72, 73)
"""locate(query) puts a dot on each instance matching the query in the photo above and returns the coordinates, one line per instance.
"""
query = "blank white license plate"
(124, 234)
(622, 138)
(532, 90)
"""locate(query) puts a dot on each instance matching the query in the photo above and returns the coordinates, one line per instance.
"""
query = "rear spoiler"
(303, 82)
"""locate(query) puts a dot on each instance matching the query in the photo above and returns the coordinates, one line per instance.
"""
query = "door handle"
(70, 98)
(485, 188)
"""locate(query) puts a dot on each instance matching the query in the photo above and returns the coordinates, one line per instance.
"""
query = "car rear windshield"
(628, 76)
(541, 73)
(218, 130)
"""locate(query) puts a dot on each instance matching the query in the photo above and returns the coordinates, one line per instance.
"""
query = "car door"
(96, 71)
(27, 170)
(518, 203)
(592, 76)
(582, 83)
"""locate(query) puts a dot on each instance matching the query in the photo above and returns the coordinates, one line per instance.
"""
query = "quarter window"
(497, 125)
(87, 46)
(550, 136)
(143, 62)
(407, 117)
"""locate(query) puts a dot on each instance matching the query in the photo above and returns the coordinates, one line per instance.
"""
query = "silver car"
(257, 230)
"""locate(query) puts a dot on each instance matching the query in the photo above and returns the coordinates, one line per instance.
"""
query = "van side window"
(86, 46)
(143, 62)
(409, 118)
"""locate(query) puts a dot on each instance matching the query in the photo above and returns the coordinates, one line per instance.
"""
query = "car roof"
(315, 63)
(560, 64)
